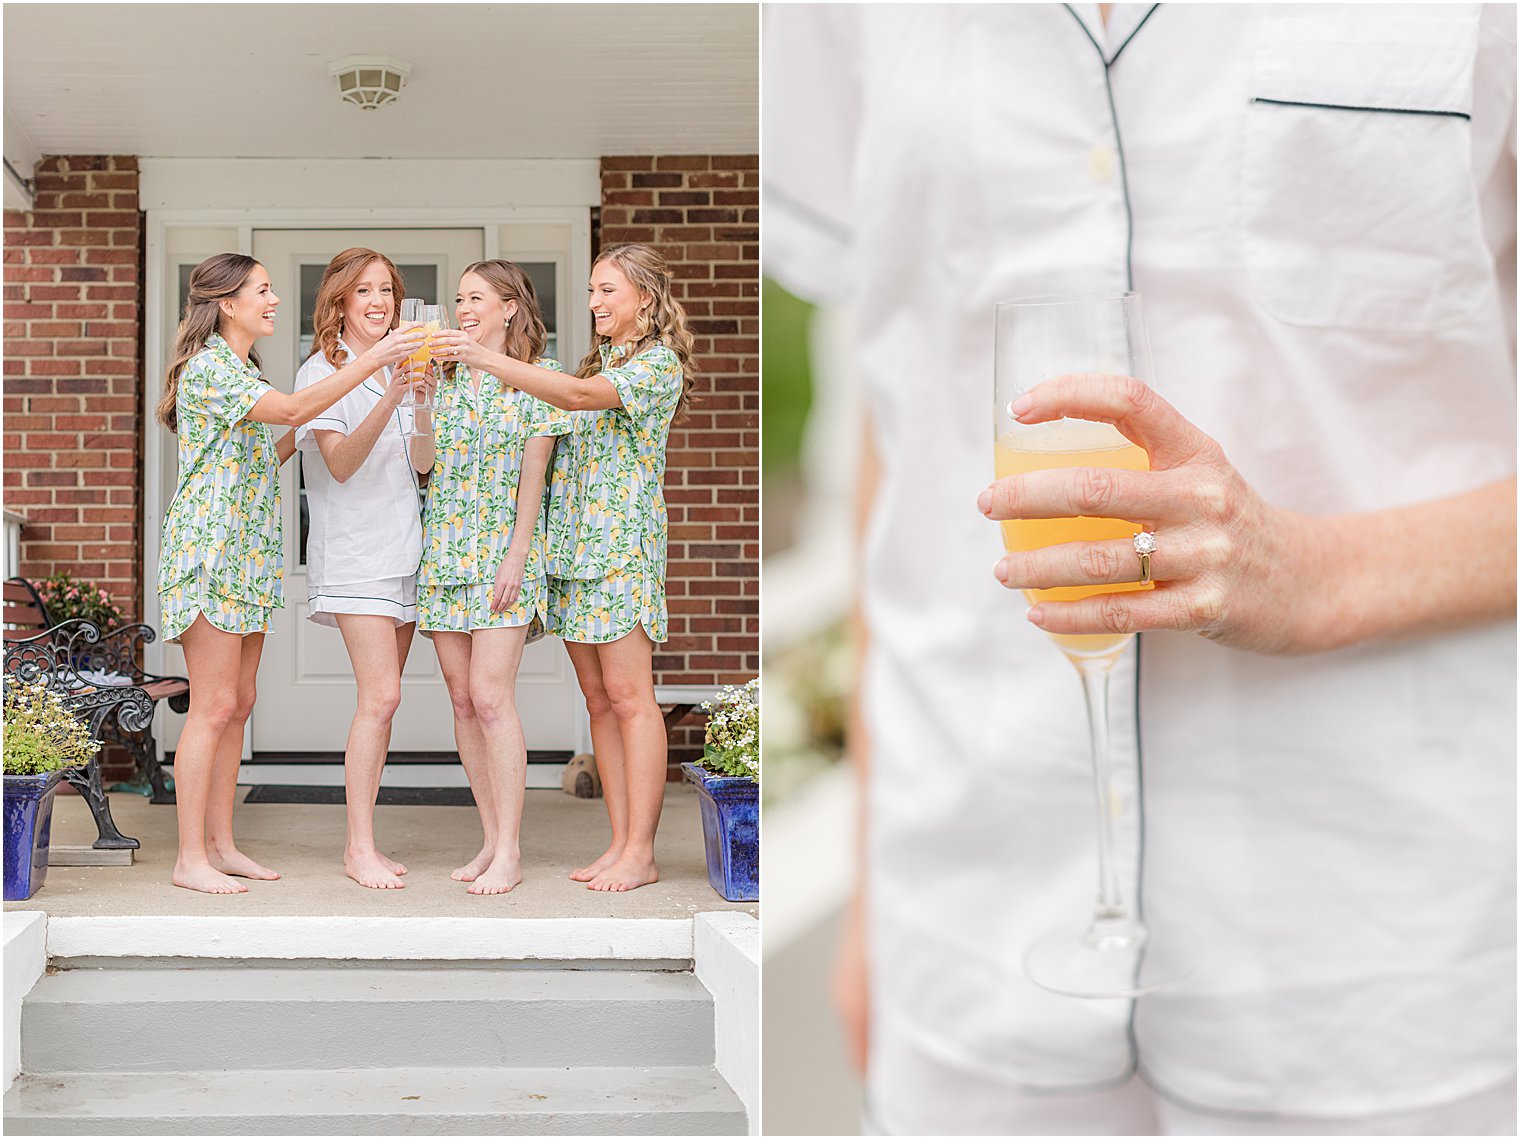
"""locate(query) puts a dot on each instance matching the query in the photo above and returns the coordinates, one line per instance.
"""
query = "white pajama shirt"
(1317, 205)
(365, 541)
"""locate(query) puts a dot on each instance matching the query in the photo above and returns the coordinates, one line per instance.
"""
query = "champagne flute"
(1113, 954)
(433, 320)
(445, 323)
(413, 309)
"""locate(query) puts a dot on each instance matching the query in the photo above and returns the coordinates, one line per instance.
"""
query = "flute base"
(1110, 957)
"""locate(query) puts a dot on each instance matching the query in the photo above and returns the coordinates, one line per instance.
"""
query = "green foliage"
(41, 734)
(810, 684)
(787, 384)
(66, 598)
(733, 732)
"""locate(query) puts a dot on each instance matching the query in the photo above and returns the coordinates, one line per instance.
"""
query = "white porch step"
(155, 1019)
(481, 1101)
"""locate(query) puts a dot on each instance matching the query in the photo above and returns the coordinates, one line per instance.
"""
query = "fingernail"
(984, 501)
(1036, 615)
(1001, 571)
(1019, 406)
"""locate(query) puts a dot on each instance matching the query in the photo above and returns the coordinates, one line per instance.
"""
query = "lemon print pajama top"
(471, 510)
(223, 552)
(607, 517)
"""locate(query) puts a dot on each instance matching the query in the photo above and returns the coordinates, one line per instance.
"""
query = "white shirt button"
(1100, 163)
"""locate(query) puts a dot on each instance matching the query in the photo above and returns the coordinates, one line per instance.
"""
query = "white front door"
(306, 684)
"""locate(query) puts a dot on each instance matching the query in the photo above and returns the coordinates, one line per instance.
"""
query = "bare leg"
(212, 658)
(220, 847)
(403, 647)
(607, 746)
(494, 657)
(628, 676)
(454, 653)
(371, 644)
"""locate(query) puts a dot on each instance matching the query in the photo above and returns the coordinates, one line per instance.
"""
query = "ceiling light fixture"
(370, 81)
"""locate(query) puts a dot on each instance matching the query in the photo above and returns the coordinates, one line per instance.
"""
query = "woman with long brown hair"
(219, 572)
(481, 587)
(361, 460)
(607, 532)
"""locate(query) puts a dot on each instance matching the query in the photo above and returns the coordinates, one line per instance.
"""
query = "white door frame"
(575, 323)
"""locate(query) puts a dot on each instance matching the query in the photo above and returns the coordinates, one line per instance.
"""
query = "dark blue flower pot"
(28, 824)
(731, 828)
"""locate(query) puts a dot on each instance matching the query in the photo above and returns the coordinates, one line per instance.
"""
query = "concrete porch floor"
(305, 843)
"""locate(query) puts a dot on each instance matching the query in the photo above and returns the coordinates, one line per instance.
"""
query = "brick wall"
(703, 213)
(73, 374)
(73, 379)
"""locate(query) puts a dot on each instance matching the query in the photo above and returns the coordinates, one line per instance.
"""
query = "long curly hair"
(338, 280)
(211, 282)
(527, 334)
(662, 320)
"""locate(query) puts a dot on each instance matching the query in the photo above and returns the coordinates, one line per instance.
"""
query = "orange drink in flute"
(1069, 443)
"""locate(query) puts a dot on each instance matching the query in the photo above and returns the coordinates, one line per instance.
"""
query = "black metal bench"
(51, 657)
(109, 662)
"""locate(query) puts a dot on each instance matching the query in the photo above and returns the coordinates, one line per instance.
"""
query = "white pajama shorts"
(393, 597)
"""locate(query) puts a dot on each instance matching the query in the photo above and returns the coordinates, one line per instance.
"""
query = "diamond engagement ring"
(1145, 546)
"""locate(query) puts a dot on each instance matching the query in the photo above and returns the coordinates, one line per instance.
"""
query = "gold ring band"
(1145, 546)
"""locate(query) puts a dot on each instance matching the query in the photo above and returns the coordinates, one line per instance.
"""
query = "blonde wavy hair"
(663, 320)
(211, 282)
(338, 280)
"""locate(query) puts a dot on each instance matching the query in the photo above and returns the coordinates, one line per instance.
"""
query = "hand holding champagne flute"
(1037, 340)
(420, 365)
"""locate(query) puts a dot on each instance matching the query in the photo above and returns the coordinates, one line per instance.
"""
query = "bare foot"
(627, 873)
(390, 864)
(498, 878)
(205, 878)
(235, 862)
(586, 873)
(369, 868)
(475, 867)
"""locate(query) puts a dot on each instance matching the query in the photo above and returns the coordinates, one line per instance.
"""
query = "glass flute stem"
(1110, 917)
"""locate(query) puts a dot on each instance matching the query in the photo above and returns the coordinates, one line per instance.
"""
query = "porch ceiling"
(487, 81)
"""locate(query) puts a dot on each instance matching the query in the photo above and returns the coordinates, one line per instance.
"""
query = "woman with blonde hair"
(361, 463)
(607, 533)
(481, 587)
(219, 573)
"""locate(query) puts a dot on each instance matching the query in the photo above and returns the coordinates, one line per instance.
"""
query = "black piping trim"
(1149, 13)
(1129, 213)
(1086, 32)
(827, 225)
(1373, 110)
(1108, 88)
(1109, 62)
(353, 597)
(1129, 277)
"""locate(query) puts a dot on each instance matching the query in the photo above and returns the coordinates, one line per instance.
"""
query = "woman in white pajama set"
(1317, 204)
(365, 542)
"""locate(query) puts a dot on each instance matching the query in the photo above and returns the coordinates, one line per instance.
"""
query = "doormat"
(389, 796)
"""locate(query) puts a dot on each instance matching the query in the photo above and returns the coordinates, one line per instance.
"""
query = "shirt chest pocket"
(1357, 198)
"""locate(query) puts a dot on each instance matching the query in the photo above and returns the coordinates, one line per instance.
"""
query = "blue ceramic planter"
(731, 828)
(28, 825)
